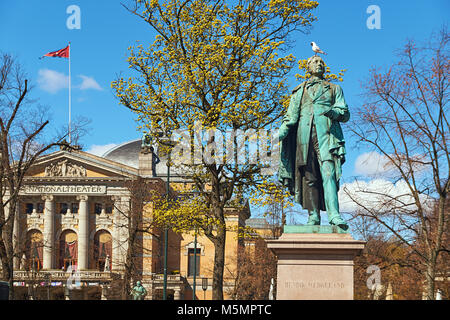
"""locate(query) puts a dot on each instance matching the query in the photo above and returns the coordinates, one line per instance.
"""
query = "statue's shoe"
(313, 220)
(338, 221)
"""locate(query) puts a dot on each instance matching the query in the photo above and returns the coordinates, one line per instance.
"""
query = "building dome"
(126, 153)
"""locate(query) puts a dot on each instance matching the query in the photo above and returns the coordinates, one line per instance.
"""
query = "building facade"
(72, 229)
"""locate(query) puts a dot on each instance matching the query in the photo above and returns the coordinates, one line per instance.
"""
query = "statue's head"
(316, 66)
(138, 283)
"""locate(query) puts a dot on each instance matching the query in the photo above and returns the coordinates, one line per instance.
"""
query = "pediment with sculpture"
(65, 168)
(78, 164)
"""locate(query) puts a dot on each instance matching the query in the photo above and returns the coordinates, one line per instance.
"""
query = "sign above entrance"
(65, 189)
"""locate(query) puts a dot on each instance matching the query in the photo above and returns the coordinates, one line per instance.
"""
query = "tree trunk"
(11, 285)
(129, 263)
(10, 254)
(219, 263)
(429, 276)
(7, 273)
(7, 254)
(4, 261)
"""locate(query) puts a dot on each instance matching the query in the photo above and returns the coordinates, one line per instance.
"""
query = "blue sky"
(31, 28)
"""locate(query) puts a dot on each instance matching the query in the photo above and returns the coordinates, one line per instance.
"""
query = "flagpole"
(70, 98)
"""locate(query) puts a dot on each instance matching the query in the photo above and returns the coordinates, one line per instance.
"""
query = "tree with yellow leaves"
(222, 64)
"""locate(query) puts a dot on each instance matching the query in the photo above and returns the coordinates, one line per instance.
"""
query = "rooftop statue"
(146, 144)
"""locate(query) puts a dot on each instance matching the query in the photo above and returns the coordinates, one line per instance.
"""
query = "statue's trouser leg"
(314, 214)
(328, 172)
(313, 191)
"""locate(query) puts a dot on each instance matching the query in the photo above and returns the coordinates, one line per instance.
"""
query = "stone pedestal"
(315, 263)
(146, 162)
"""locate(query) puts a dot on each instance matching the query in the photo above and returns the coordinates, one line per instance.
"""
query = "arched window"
(102, 250)
(68, 249)
(33, 254)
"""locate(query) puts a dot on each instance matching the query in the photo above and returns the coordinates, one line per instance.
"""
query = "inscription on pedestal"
(313, 285)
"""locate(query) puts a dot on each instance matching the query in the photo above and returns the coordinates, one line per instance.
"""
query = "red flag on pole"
(62, 53)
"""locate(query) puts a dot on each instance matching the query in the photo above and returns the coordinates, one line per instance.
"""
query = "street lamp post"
(195, 264)
(204, 287)
(166, 230)
(169, 144)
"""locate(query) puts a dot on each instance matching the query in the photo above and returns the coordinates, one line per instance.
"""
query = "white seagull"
(316, 48)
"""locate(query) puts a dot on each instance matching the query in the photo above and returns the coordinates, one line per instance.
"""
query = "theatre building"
(73, 215)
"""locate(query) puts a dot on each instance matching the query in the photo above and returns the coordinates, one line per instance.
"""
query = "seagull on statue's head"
(316, 48)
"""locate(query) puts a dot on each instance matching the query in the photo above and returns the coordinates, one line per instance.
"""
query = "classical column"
(83, 233)
(49, 232)
(115, 236)
(120, 231)
(16, 235)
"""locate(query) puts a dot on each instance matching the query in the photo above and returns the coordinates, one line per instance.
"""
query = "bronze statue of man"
(146, 142)
(313, 146)
(138, 292)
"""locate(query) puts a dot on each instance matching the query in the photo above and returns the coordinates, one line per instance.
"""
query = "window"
(74, 208)
(191, 257)
(40, 207)
(109, 208)
(28, 208)
(102, 250)
(33, 250)
(97, 208)
(68, 249)
(67, 263)
(63, 208)
(35, 264)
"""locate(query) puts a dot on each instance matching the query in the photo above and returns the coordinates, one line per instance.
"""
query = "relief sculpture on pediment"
(65, 168)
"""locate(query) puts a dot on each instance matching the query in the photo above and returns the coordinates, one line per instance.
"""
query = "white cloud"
(377, 194)
(371, 164)
(52, 81)
(99, 150)
(88, 83)
(374, 164)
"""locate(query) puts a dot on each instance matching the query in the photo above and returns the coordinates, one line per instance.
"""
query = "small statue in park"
(138, 292)
(313, 146)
